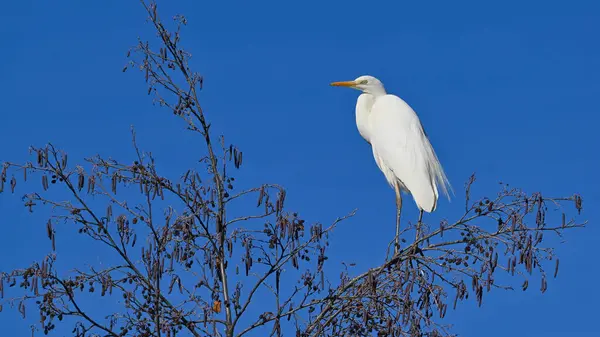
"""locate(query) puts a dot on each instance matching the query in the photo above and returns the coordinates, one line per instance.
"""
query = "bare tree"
(188, 267)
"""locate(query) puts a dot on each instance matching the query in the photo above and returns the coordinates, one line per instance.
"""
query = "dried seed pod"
(108, 212)
(114, 183)
(13, 184)
(544, 284)
(578, 203)
(91, 184)
(80, 181)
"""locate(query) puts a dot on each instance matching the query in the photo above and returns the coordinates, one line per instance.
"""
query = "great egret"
(401, 148)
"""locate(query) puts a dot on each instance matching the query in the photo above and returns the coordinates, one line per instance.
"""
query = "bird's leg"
(419, 225)
(398, 210)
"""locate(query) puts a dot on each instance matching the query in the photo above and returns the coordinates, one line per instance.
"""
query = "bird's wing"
(400, 141)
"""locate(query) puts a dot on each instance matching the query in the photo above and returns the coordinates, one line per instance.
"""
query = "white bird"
(401, 148)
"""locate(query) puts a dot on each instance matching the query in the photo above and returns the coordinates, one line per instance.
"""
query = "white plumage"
(401, 148)
(403, 151)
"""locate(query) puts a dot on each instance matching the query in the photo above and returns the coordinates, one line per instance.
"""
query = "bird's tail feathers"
(439, 175)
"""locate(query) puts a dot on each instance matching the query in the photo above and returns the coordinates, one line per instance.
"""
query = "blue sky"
(506, 90)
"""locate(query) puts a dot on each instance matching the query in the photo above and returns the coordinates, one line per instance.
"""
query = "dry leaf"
(217, 306)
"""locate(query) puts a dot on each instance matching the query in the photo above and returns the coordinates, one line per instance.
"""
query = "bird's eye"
(364, 82)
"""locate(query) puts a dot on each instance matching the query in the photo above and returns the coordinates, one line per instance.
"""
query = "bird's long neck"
(363, 110)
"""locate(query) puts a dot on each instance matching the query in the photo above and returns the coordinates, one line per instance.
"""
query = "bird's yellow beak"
(350, 84)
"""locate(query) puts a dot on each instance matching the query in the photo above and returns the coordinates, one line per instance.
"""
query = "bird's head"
(367, 84)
